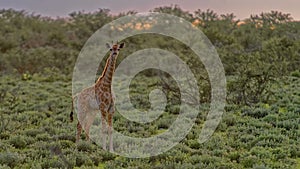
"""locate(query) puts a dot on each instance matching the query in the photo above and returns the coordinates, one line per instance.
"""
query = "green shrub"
(292, 124)
(164, 123)
(195, 159)
(218, 152)
(294, 151)
(18, 141)
(165, 166)
(227, 165)
(83, 159)
(4, 135)
(295, 73)
(96, 159)
(69, 137)
(176, 156)
(3, 166)
(194, 144)
(66, 144)
(107, 156)
(34, 164)
(249, 161)
(174, 109)
(234, 156)
(187, 166)
(260, 167)
(230, 107)
(43, 137)
(33, 132)
(271, 118)
(50, 130)
(37, 57)
(222, 127)
(85, 146)
(208, 160)
(261, 152)
(256, 113)
(9, 159)
(279, 153)
(246, 138)
(229, 119)
(53, 163)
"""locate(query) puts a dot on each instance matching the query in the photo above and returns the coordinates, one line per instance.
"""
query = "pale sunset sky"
(241, 8)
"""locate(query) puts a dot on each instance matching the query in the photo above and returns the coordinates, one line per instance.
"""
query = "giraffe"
(98, 97)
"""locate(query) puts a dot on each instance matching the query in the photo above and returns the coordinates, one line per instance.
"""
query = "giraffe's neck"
(106, 77)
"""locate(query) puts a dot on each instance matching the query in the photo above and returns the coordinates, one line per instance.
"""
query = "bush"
(69, 137)
(66, 144)
(195, 159)
(53, 163)
(229, 119)
(294, 151)
(260, 167)
(271, 118)
(249, 161)
(194, 144)
(96, 159)
(207, 160)
(18, 141)
(261, 152)
(83, 159)
(164, 123)
(85, 146)
(43, 137)
(256, 113)
(234, 156)
(3, 166)
(4, 135)
(279, 153)
(33, 132)
(295, 73)
(9, 159)
(107, 156)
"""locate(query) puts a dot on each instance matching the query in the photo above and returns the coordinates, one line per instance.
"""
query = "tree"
(174, 10)
(273, 17)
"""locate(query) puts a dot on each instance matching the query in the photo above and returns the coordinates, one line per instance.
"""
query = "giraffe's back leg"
(82, 113)
(79, 126)
(80, 123)
(79, 130)
(88, 123)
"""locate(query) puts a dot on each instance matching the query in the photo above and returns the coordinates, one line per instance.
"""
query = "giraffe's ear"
(122, 45)
(108, 46)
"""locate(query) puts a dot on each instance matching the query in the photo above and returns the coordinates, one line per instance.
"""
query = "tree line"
(256, 52)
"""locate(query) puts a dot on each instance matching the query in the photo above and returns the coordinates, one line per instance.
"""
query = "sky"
(241, 8)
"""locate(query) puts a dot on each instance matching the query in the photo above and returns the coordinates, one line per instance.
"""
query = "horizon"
(242, 10)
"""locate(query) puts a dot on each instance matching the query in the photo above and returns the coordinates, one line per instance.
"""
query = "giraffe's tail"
(71, 114)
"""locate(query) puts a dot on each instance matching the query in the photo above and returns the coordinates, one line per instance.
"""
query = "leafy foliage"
(260, 128)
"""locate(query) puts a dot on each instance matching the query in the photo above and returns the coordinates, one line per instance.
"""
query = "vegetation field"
(260, 127)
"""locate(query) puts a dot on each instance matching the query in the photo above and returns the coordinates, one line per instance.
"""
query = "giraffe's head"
(115, 48)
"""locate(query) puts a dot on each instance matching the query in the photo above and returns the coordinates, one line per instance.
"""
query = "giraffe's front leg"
(110, 128)
(111, 112)
(103, 129)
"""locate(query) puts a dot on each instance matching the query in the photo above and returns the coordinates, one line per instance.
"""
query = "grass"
(36, 132)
